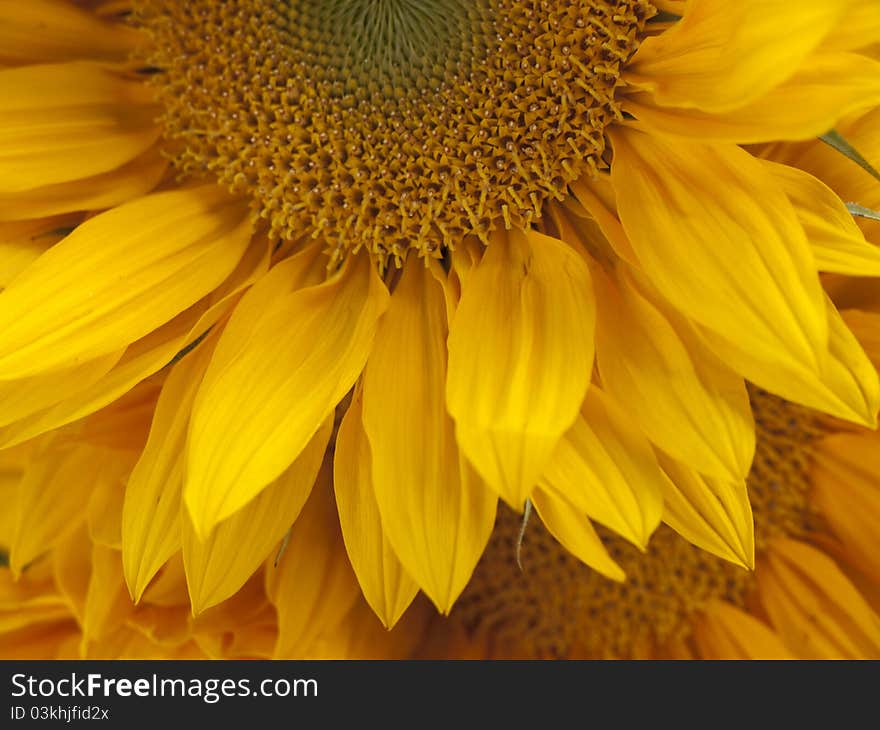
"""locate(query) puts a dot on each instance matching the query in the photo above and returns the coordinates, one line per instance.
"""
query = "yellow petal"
(107, 604)
(69, 121)
(520, 358)
(860, 28)
(722, 55)
(842, 175)
(575, 533)
(605, 467)
(826, 88)
(435, 511)
(712, 514)
(23, 242)
(51, 496)
(846, 488)
(124, 425)
(814, 607)
(272, 382)
(683, 398)
(24, 397)
(72, 569)
(721, 242)
(845, 386)
(385, 583)
(219, 565)
(313, 587)
(99, 192)
(866, 328)
(142, 358)
(119, 276)
(599, 200)
(726, 632)
(151, 511)
(56, 30)
(104, 511)
(837, 242)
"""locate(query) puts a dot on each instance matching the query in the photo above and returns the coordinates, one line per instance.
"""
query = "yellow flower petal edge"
(713, 514)
(119, 276)
(142, 358)
(313, 586)
(265, 395)
(606, 468)
(48, 30)
(520, 358)
(219, 565)
(846, 488)
(435, 511)
(151, 531)
(722, 243)
(679, 393)
(845, 386)
(56, 485)
(837, 242)
(813, 606)
(726, 632)
(69, 121)
(825, 89)
(722, 55)
(575, 533)
(99, 192)
(384, 581)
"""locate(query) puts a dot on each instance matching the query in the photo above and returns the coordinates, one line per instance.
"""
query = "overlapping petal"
(264, 395)
(677, 391)
(722, 55)
(520, 358)
(722, 243)
(118, 277)
(435, 511)
(384, 581)
(69, 121)
(605, 467)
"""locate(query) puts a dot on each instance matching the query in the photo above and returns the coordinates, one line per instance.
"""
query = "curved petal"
(837, 242)
(219, 565)
(313, 587)
(275, 377)
(151, 510)
(56, 485)
(683, 398)
(56, 30)
(385, 583)
(436, 513)
(846, 488)
(119, 276)
(712, 514)
(575, 533)
(722, 54)
(846, 384)
(722, 244)
(69, 121)
(520, 358)
(814, 607)
(605, 467)
(825, 89)
(726, 632)
(99, 192)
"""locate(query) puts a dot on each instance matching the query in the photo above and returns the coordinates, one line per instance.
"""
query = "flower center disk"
(390, 125)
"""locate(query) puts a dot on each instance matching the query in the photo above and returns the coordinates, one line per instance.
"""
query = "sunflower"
(430, 253)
